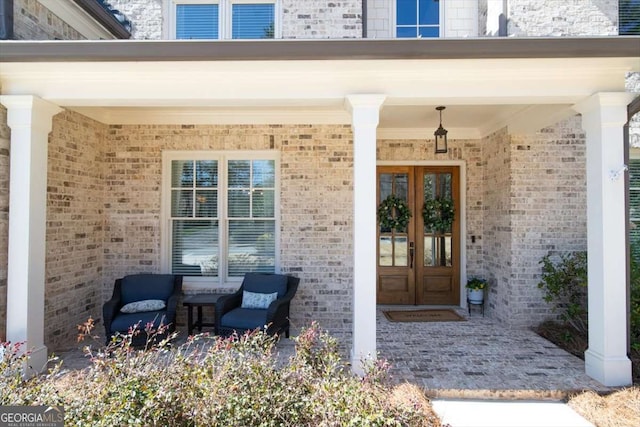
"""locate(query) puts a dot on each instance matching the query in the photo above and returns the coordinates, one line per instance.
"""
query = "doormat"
(446, 315)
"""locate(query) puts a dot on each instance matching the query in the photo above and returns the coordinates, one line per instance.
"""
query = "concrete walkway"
(479, 413)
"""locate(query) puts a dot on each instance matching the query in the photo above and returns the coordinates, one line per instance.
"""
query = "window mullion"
(223, 213)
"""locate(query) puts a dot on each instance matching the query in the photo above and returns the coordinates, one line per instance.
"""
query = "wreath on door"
(394, 214)
(438, 214)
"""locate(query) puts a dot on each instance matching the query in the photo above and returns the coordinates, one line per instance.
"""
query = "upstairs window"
(629, 17)
(197, 21)
(224, 19)
(417, 18)
(252, 20)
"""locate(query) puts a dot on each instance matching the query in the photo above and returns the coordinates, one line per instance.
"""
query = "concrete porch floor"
(477, 358)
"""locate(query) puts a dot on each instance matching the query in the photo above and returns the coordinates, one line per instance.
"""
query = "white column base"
(37, 362)
(610, 371)
(359, 362)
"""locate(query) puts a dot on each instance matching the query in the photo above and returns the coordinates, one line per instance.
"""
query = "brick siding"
(75, 234)
(497, 222)
(33, 21)
(5, 136)
(535, 202)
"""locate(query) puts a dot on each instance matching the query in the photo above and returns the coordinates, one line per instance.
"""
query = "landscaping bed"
(213, 381)
(576, 343)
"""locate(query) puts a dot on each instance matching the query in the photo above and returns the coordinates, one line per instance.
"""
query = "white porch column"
(30, 120)
(603, 116)
(365, 112)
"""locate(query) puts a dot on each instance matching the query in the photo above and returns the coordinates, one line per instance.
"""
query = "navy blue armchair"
(143, 299)
(262, 301)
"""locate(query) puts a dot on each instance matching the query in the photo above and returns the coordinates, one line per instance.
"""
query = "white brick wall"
(312, 19)
(563, 17)
(380, 22)
(146, 17)
(460, 18)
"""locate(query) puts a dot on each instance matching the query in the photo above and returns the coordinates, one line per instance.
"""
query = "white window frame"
(634, 155)
(394, 19)
(166, 236)
(224, 16)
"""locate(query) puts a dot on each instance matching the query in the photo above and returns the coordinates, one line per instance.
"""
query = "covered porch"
(361, 103)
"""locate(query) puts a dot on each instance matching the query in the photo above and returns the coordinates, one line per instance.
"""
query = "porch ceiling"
(481, 94)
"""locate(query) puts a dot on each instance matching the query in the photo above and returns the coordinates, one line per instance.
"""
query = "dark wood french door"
(420, 263)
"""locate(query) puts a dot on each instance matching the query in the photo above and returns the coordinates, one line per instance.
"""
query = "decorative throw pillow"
(145, 305)
(257, 300)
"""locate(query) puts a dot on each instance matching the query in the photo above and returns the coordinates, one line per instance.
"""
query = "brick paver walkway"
(479, 358)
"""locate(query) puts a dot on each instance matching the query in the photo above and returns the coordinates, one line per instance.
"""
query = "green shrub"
(564, 282)
(220, 382)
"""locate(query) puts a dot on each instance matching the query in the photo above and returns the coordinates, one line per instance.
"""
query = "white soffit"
(166, 84)
(481, 95)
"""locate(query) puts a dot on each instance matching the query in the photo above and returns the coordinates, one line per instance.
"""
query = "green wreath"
(393, 214)
(438, 214)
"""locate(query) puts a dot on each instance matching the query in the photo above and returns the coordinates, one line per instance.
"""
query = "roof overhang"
(88, 17)
(486, 83)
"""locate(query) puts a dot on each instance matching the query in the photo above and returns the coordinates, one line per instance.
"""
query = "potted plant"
(475, 290)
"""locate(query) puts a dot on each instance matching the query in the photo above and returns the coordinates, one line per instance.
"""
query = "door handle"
(411, 249)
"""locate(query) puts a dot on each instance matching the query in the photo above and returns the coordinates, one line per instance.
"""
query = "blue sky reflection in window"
(197, 21)
(417, 18)
(252, 21)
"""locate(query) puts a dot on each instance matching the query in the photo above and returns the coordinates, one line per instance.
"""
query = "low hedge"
(211, 381)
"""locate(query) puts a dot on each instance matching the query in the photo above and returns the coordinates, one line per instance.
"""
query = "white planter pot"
(476, 296)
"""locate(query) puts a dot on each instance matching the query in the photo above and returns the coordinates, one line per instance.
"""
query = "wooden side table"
(199, 301)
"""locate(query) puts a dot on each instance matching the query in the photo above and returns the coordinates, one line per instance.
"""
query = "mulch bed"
(576, 343)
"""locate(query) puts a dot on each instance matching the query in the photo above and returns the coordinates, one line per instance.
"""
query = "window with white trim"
(418, 18)
(224, 19)
(634, 202)
(220, 214)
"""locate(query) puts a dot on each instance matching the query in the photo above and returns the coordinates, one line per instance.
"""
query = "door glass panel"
(438, 196)
(400, 246)
(430, 185)
(386, 251)
(401, 187)
(444, 181)
(437, 251)
(386, 185)
(393, 242)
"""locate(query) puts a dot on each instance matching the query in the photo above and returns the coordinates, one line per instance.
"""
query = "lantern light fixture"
(441, 134)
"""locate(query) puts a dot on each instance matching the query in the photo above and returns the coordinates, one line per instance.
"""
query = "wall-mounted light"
(441, 135)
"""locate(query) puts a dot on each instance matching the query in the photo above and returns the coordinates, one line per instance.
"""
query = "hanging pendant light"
(441, 135)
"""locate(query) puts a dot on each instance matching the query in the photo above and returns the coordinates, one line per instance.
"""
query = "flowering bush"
(213, 381)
